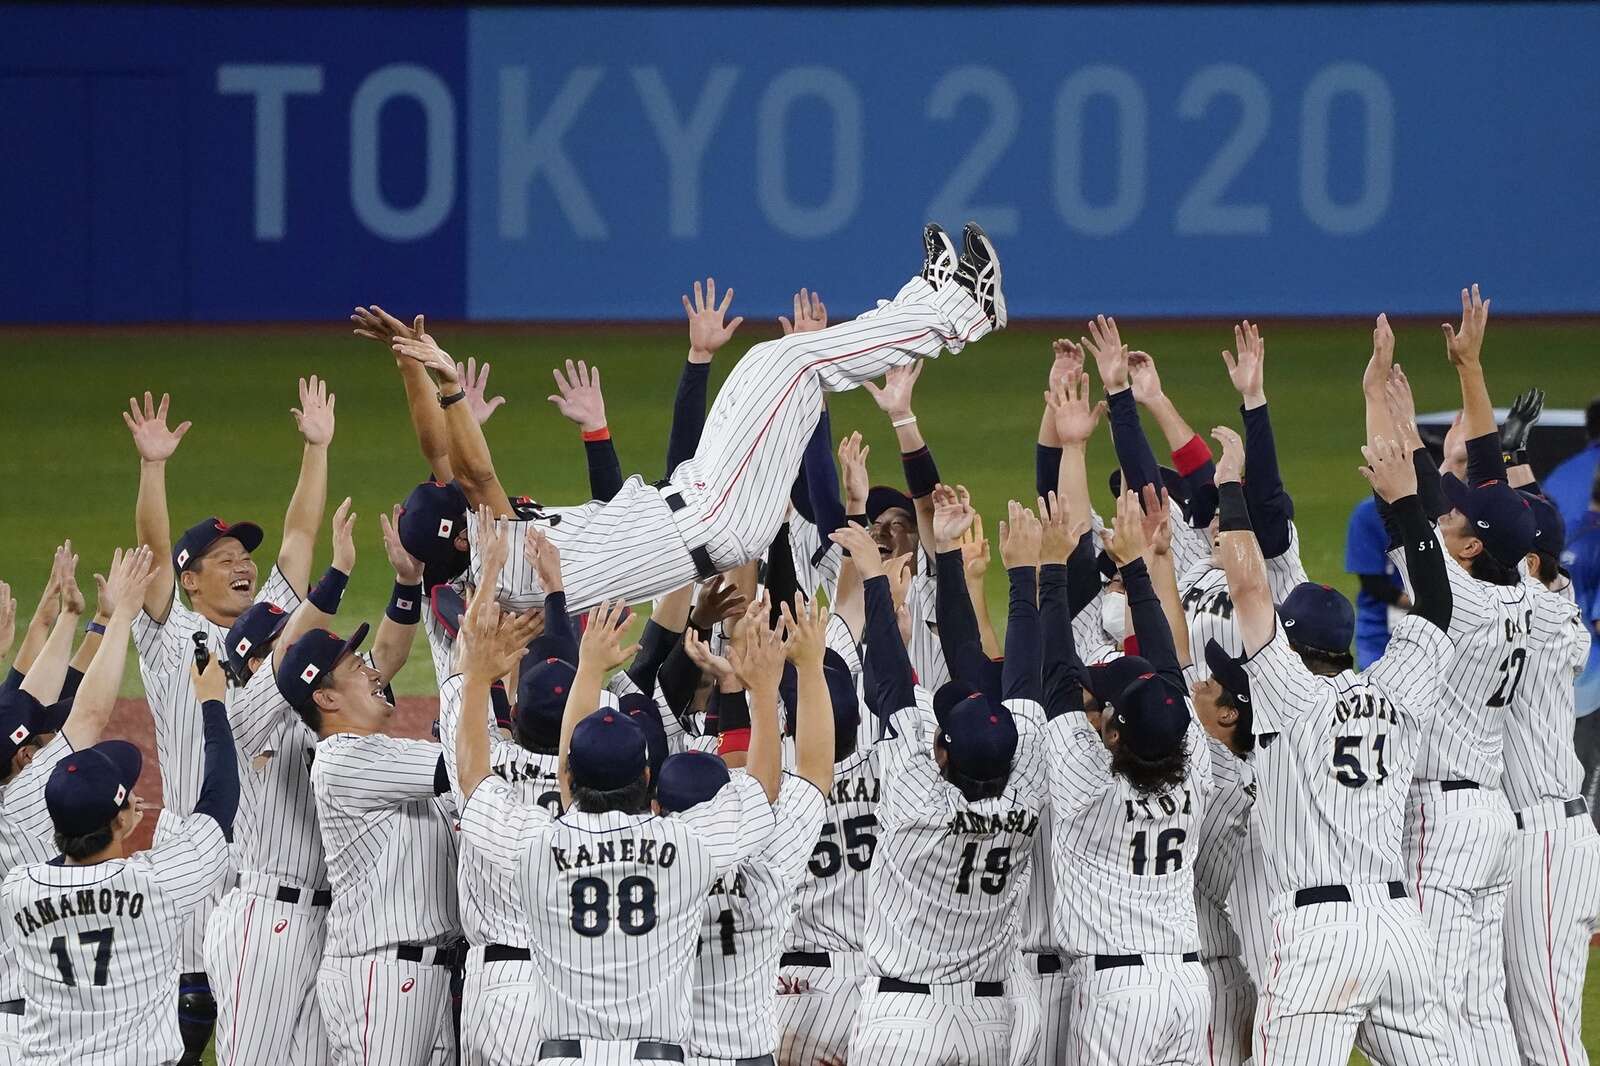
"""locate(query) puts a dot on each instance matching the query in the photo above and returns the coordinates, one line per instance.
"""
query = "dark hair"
(973, 788)
(1549, 566)
(1150, 775)
(1323, 663)
(1486, 567)
(844, 742)
(632, 798)
(311, 715)
(1591, 419)
(1244, 731)
(81, 847)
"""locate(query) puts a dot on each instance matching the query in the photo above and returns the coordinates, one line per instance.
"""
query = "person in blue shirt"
(1568, 485)
(1582, 561)
(1366, 556)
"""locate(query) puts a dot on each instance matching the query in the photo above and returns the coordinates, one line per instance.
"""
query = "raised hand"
(952, 517)
(475, 380)
(407, 569)
(1075, 417)
(1230, 467)
(1125, 540)
(122, 590)
(1104, 343)
(862, 548)
(1146, 382)
(314, 417)
(757, 656)
(578, 396)
(493, 641)
(975, 551)
(1389, 469)
(1465, 347)
(720, 600)
(541, 553)
(1157, 513)
(893, 397)
(805, 629)
(715, 666)
(154, 441)
(211, 683)
(344, 537)
(810, 314)
(8, 620)
(1376, 376)
(1402, 408)
(423, 349)
(374, 323)
(1020, 537)
(601, 647)
(1068, 358)
(494, 544)
(1519, 423)
(707, 331)
(72, 600)
(1247, 370)
(1059, 536)
(853, 470)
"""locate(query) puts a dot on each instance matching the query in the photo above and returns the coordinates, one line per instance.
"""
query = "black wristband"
(326, 594)
(405, 604)
(1233, 514)
(922, 474)
(446, 401)
(733, 711)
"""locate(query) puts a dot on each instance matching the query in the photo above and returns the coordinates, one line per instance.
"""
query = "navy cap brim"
(1108, 680)
(1455, 491)
(126, 757)
(881, 498)
(1228, 672)
(352, 645)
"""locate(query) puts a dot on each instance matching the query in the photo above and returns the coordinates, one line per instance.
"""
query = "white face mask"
(1114, 616)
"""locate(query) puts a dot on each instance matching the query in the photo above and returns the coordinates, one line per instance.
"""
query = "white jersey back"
(26, 836)
(1124, 862)
(1219, 841)
(1489, 629)
(1335, 757)
(1203, 588)
(390, 841)
(98, 947)
(276, 833)
(441, 644)
(1541, 764)
(615, 902)
(165, 651)
(950, 874)
(491, 910)
(746, 917)
(832, 897)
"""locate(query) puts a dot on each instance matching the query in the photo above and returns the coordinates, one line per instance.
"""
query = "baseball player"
(95, 931)
(721, 507)
(614, 895)
(1350, 961)
(393, 935)
(748, 911)
(1129, 780)
(1553, 905)
(35, 737)
(1459, 826)
(264, 940)
(209, 582)
(957, 817)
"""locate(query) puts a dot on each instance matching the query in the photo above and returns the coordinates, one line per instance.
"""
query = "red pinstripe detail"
(1550, 950)
(366, 1011)
(238, 976)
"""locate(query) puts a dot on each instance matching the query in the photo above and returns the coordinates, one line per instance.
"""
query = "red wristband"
(604, 433)
(1191, 456)
(733, 740)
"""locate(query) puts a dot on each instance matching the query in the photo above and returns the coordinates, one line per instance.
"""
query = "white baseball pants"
(949, 1026)
(732, 494)
(10, 1039)
(1155, 1013)
(263, 958)
(1233, 1011)
(1458, 870)
(1047, 997)
(1552, 910)
(817, 1009)
(1250, 905)
(496, 1027)
(383, 1011)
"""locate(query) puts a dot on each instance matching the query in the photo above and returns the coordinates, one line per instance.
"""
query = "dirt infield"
(413, 717)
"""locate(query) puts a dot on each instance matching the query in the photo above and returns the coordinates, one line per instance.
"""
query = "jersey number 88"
(591, 906)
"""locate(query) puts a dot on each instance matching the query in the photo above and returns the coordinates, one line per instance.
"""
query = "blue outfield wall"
(215, 165)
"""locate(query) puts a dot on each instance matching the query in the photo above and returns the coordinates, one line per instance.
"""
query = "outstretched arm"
(1061, 666)
(49, 670)
(469, 451)
(422, 396)
(314, 417)
(1241, 555)
(806, 625)
(893, 398)
(1075, 420)
(396, 633)
(1394, 479)
(708, 332)
(1465, 349)
(122, 596)
(580, 401)
(155, 444)
(40, 625)
(1022, 672)
(600, 652)
(1271, 507)
(1190, 455)
(493, 644)
(1138, 462)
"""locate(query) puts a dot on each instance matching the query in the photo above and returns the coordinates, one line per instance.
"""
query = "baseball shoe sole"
(939, 258)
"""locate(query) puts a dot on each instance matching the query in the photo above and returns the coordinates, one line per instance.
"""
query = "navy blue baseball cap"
(642, 711)
(1550, 532)
(447, 605)
(947, 696)
(690, 778)
(1496, 514)
(22, 718)
(1318, 617)
(1228, 672)
(542, 689)
(980, 738)
(1151, 718)
(841, 692)
(608, 751)
(89, 787)
(430, 518)
(198, 539)
(1171, 480)
(1108, 680)
(309, 661)
(252, 634)
(881, 498)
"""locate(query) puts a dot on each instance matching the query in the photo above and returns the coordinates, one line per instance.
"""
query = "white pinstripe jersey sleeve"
(276, 832)
(441, 645)
(734, 824)
(841, 640)
(823, 576)
(1541, 763)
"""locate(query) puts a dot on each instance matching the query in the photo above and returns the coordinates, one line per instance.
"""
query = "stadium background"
(544, 184)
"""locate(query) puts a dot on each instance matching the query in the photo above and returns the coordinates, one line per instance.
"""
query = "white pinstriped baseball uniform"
(166, 650)
(1458, 839)
(262, 950)
(441, 645)
(1124, 880)
(923, 649)
(1219, 840)
(746, 918)
(496, 1027)
(1553, 906)
(391, 859)
(615, 903)
(735, 488)
(26, 836)
(945, 894)
(823, 575)
(1334, 759)
(98, 946)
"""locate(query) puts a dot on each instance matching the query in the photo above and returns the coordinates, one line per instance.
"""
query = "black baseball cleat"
(938, 255)
(979, 273)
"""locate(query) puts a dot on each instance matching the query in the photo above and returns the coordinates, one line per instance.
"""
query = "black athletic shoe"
(979, 273)
(938, 255)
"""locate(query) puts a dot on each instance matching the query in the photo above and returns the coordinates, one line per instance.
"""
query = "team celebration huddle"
(817, 807)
